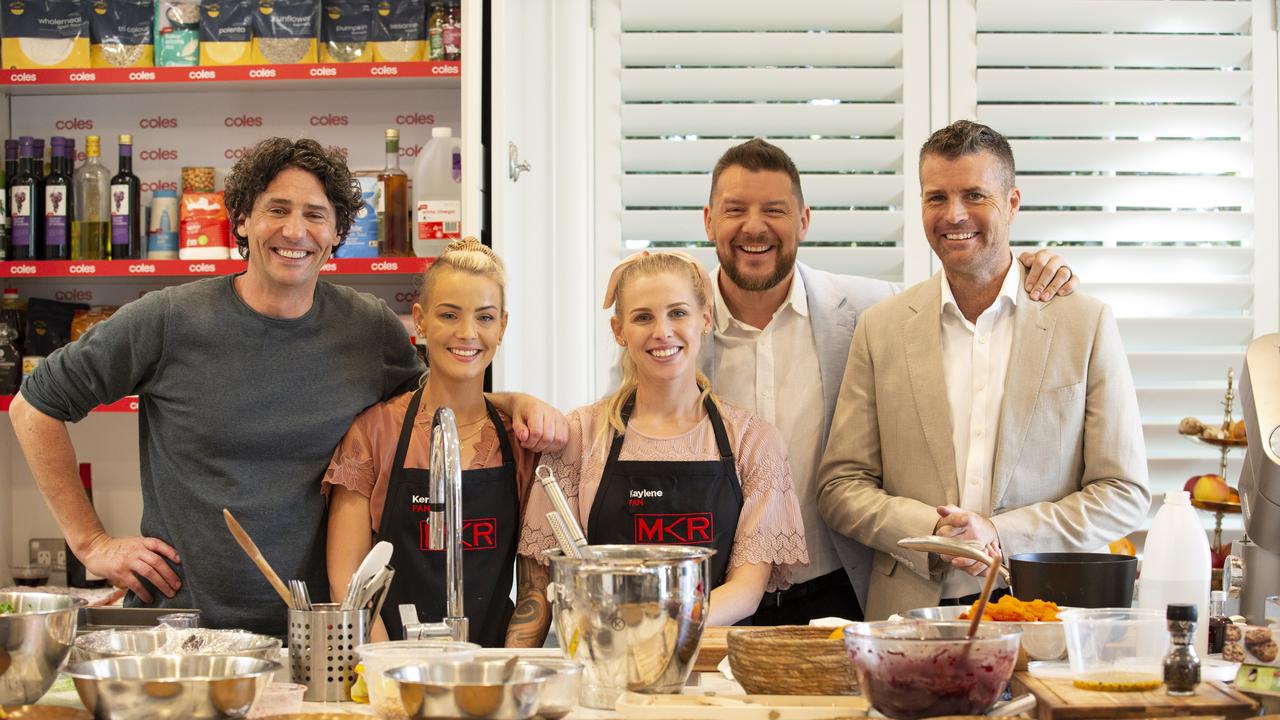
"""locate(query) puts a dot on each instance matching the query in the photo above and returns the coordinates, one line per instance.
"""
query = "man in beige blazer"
(966, 410)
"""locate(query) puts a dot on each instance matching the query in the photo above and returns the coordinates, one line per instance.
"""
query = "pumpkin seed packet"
(344, 31)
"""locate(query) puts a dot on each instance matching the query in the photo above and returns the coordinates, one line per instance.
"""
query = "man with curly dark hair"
(245, 385)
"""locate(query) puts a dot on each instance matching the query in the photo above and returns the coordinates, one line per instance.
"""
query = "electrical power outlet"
(48, 551)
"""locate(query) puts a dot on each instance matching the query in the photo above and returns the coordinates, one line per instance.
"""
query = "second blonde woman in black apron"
(662, 461)
(379, 478)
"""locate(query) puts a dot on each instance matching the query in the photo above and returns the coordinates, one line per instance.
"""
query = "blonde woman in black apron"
(662, 461)
(378, 480)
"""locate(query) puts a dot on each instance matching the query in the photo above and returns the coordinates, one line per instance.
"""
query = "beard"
(781, 270)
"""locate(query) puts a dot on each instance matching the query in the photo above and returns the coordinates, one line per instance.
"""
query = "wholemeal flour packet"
(48, 34)
(285, 31)
(399, 30)
(120, 32)
(344, 31)
(177, 33)
(226, 32)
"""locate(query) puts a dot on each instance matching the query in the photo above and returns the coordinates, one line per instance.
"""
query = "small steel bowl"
(160, 687)
(470, 689)
(560, 691)
(176, 641)
(34, 640)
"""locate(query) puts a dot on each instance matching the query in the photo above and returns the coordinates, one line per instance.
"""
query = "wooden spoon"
(251, 549)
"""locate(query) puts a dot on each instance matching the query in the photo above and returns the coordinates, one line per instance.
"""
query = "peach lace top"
(769, 526)
(362, 462)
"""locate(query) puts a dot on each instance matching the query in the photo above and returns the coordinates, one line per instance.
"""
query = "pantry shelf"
(19, 269)
(100, 80)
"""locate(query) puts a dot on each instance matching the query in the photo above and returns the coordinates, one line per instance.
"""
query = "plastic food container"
(1116, 649)
(380, 657)
(278, 699)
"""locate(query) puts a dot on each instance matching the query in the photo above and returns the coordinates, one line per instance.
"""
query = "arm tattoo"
(532, 617)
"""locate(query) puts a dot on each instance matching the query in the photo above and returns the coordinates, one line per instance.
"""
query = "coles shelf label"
(179, 268)
(230, 73)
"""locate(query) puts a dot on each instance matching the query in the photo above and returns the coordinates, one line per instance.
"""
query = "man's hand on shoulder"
(1047, 275)
(122, 561)
(539, 427)
(965, 525)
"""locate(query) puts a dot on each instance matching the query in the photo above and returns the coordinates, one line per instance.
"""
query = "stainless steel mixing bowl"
(159, 687)
(182, 641)
(34, 641)
(469, 689)
(632, 615)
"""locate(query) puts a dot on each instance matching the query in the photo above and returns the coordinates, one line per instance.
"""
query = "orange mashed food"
(1011, 609)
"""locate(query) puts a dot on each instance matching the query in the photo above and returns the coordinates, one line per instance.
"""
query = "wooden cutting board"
(714, 646)
(1060, 700)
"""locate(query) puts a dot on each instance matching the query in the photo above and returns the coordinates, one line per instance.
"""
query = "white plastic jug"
(1176, 564)
(437, 193)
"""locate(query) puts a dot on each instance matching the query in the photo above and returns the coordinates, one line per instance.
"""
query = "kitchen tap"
(444, 530)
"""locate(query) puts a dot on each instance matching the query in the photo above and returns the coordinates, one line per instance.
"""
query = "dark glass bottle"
(26, 195)
(58, 205)
(126, 207)
(1218, 621)
(10, 171)
(37, 157)
(77, 574)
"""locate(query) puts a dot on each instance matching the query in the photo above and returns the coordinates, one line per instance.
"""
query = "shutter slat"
(797, 49)
(690, 191)
(1088, 50)
(1098, 264)
(749, 84)
(1172, 403)
(827, 226)
(1136, 226)
(1177, 299)
(1156, 368)
(883, 263)
(1091, 86)
(1156, 121)
(1119, 16)
(761, 15)
(748, 120)
(1160, 156)
(1150, 334)
(1187, 191)
(809, 155)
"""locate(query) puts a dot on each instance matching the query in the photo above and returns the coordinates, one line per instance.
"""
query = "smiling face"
(462, 322)
(661, 322)
(967, 207)
(291, 232)
(757, 222)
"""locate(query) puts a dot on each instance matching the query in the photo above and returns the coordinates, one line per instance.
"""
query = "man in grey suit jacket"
(967, 411)
(780, 324)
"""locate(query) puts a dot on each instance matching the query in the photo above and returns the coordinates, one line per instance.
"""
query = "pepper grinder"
(1181, 666)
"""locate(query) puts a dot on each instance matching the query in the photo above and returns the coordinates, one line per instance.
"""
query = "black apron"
(490, 528)
(692, 502)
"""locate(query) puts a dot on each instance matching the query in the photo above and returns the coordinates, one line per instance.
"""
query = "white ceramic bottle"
(1176, 566)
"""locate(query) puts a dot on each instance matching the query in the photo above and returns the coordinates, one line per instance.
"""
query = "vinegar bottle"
(393, 202)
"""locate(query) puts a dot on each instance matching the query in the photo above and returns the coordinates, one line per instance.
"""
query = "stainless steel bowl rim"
(850, 630)
(633, 558)
(908, 616)
(541, 676)
(83, 670)
(74, 603)
(1100, 614)
(257, 642)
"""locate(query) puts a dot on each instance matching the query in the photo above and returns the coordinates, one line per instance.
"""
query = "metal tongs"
(564, 525)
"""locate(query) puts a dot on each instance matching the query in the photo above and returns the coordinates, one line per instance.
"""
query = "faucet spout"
(445, 519)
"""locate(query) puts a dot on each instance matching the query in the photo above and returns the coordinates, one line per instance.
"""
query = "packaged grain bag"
(344, 31)
(177, 34)
(285, 31)
(399, 30)
(362, 241)
(120, 32)
(46, 34)
(226, 32)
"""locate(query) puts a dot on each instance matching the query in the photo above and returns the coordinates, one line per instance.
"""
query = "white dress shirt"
(774, 373)
(975, 361)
